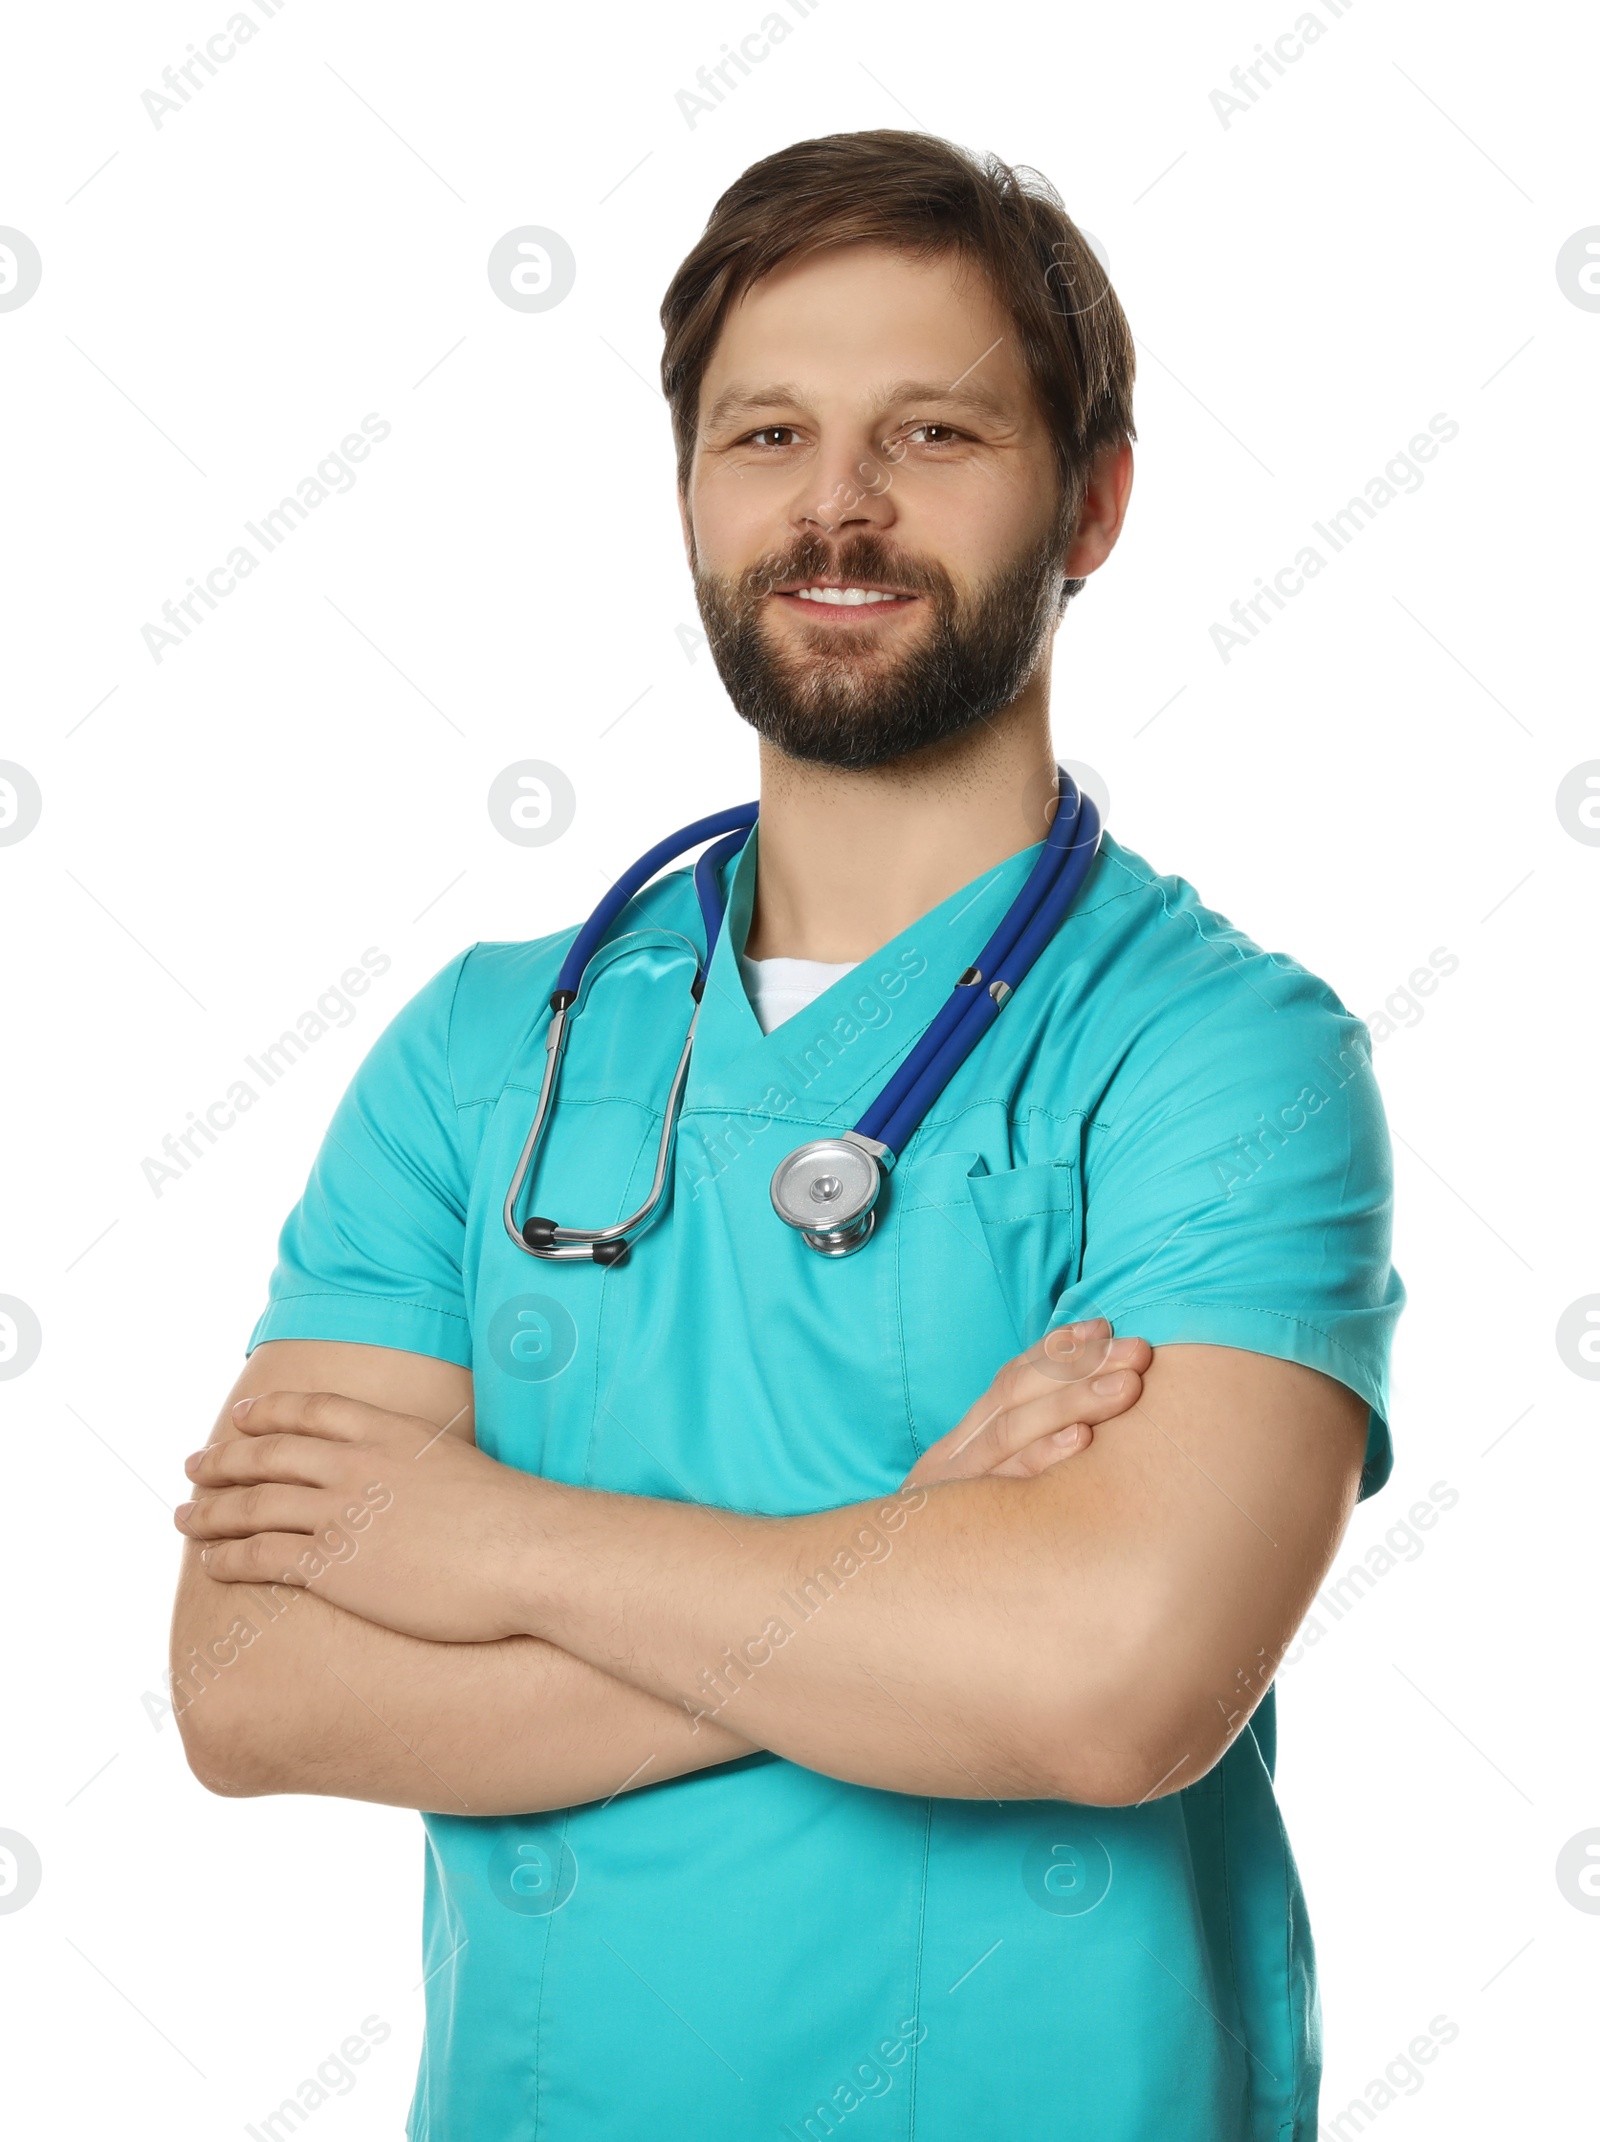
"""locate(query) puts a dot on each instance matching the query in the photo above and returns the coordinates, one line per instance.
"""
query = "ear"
(1105, 506)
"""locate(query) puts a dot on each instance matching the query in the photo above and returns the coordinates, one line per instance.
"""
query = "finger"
(1056, 1363)
(319, 1413)
(1112, 1389)
(989, 1435)
(264, 1558)
(1088, 1405)
(303, 1460)
(1038, 1457)
(235, 1513)
(1070, 1353)
(986, 1440)
(971, 1447)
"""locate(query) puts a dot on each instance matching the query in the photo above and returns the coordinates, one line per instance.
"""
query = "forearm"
(934, 1642)
(278, 1689)
(1097, 1633)
(643, 1620)
(304, 1697)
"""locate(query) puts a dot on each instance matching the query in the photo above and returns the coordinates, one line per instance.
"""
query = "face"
(874, 517)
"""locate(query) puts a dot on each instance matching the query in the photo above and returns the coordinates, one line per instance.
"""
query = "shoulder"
(1179, 989)
(478, 1015)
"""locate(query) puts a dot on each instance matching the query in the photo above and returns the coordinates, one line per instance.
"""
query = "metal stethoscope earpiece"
(827, 1189)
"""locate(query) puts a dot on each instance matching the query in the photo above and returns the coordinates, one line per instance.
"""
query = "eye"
(950, 434)
(768, 435)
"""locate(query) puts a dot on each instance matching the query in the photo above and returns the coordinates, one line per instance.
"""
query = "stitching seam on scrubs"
(1008, 1219)
(1294, 2079)
(900, 1337)
(367, 1301)
(1291, 2081)
(587, 1100)
(1281, 1316)
(1281, 961)
(1111, 1124)
(1016, 1123)
(608, 1295)
(1227, 1914)
(916, 2005)
(450, 1025)
(544, 1980)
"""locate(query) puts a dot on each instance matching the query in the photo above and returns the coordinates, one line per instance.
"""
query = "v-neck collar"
(823, 1065)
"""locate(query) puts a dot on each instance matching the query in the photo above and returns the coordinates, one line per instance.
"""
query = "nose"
(847, 488)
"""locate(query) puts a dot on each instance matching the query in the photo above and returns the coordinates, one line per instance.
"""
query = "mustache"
(858, 557)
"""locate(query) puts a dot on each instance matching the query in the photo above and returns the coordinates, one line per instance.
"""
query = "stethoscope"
(829, 1188)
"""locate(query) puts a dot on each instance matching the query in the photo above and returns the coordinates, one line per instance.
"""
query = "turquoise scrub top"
(1167, 1126)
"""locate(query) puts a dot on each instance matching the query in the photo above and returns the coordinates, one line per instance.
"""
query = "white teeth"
(849, 598)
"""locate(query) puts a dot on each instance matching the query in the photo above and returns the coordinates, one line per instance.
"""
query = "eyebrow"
(964, 394)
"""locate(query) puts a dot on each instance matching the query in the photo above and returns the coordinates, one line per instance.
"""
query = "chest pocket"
(983, 1259)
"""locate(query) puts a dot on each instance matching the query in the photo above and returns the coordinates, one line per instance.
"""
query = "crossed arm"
(453, 1634)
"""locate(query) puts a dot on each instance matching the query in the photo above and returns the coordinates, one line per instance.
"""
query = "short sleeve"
(1238, 1190)
(373, 1251)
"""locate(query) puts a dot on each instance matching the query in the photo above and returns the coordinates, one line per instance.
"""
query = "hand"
(1043, 1407)
(387, 1516)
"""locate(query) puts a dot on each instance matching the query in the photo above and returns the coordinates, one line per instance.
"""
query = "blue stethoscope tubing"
(980, 994)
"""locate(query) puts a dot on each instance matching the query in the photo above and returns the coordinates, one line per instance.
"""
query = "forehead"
(845, 322)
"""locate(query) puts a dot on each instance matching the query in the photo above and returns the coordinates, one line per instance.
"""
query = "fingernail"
(242, 1407)
(1107, 1386)
(1067, 1438)
(183, 1509)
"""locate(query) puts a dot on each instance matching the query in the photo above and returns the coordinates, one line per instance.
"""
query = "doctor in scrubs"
(837, 1688)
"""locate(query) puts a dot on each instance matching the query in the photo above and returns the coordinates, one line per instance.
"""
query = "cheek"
(976, 517)
(740, 516)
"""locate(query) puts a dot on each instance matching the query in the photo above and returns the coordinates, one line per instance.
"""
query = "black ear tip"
(611, 1252)
(539, 1234)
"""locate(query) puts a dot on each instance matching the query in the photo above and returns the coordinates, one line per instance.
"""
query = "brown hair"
(925, 197)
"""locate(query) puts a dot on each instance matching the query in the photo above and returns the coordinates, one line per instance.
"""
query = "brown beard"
(858, 707)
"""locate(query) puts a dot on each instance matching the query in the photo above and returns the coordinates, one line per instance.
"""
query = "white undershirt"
(778, 988)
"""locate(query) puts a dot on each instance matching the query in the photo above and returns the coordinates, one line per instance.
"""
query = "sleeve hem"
(1283, 1338)
(367, 1320)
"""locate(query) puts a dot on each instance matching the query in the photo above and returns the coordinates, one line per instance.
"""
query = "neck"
(849, 860)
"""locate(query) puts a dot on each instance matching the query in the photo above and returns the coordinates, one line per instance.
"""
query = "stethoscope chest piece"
(828, 1190)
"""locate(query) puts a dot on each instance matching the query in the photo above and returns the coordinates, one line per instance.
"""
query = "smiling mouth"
(822, 597)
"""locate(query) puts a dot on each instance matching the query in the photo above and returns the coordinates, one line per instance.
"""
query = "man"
(760, 1785)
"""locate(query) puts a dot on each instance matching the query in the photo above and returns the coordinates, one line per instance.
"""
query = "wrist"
(538, 1526)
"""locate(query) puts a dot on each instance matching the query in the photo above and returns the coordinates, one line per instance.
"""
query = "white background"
(223, 832)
